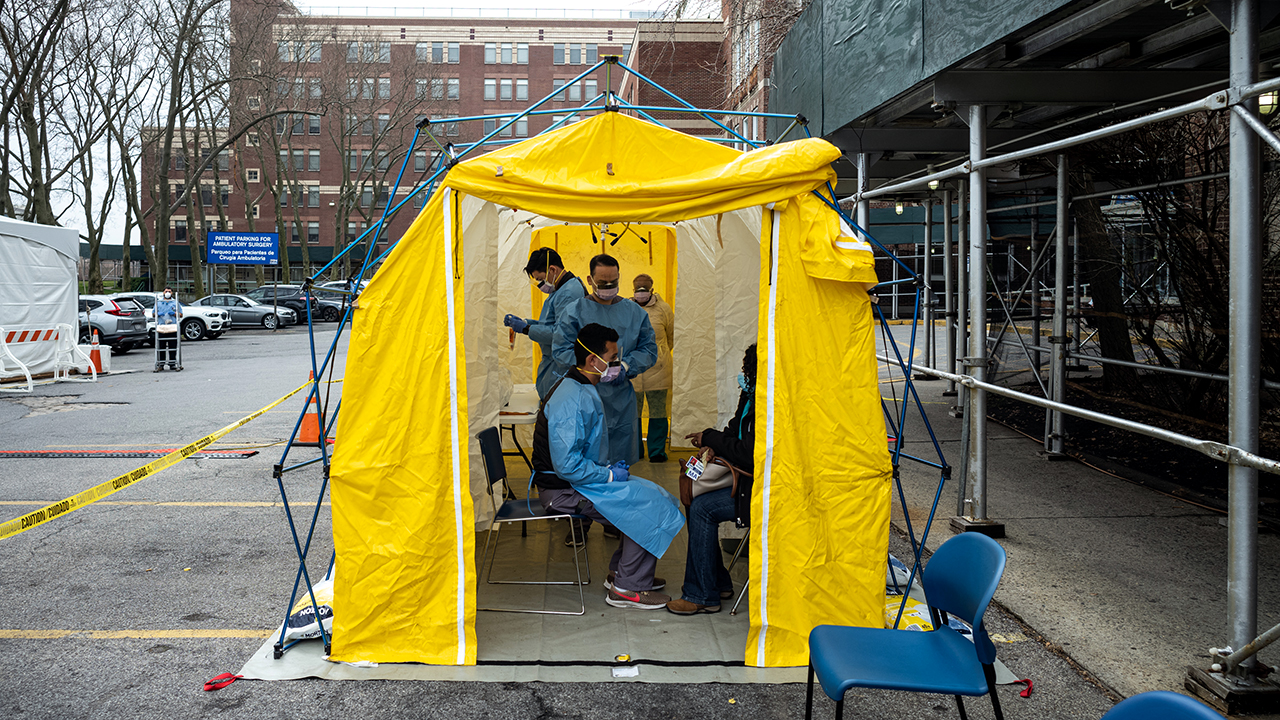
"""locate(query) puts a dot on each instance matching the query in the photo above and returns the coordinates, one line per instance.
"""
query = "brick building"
(355, 88)
(685, 57)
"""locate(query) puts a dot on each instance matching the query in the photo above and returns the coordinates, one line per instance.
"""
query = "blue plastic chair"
(1161, 705)
(961, 578)
(522, 511)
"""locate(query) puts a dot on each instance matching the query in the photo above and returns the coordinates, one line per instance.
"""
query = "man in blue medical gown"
(570, 448)
(637, 352)
(546, 269)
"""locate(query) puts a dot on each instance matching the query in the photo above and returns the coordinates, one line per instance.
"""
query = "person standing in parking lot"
(168, 313)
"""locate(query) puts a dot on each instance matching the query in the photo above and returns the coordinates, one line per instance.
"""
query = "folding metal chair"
(961, 580)
(522, 511)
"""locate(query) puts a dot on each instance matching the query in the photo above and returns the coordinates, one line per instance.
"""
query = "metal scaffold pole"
(926, 291)
(1058, 340)
(949, 289)
(863, 215)
(1245, 339)
(976, 519)
(962, 295)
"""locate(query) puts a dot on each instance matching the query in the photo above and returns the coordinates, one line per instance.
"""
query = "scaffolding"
(896, 413)
(970, 347)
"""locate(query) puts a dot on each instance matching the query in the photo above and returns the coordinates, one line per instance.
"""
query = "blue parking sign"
(242, 248)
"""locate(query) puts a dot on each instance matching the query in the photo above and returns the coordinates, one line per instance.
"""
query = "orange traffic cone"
(95, 354)
(309, 430)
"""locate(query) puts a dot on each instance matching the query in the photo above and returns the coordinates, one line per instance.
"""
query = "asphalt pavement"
(125, 608)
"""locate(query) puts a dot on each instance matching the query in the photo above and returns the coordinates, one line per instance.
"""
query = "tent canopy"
(756, 254)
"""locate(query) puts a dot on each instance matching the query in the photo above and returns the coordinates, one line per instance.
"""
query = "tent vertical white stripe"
(453, 424)
(765, 477)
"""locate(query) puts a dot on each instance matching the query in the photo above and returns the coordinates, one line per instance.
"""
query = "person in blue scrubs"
(546, 269)
(570, 450)
(637, 352)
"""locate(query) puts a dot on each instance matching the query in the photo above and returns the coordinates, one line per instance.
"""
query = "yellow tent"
(426, 354)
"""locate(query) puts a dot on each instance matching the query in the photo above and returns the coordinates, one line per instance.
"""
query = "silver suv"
(121, 323)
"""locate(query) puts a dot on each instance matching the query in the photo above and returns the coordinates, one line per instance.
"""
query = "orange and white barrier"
(67, 355)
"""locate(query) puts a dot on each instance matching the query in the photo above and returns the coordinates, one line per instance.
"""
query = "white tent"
(38, 286)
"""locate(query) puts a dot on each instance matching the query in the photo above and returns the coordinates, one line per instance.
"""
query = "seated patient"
(706, 581)
(570, 444)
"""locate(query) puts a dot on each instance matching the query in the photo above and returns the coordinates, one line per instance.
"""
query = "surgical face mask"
(606, 290)
(168, 296)
(547, 287)
(612, 372)
(742, 383)
(643, 296)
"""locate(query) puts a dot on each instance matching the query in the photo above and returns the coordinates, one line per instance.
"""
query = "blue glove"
(516, 323)
(619, 471)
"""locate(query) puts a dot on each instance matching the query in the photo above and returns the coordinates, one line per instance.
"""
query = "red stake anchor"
(221, 681)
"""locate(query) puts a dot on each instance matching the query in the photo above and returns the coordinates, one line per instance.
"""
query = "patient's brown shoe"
(684, 607)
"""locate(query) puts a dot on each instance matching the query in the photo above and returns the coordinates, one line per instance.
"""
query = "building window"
(557, 54)
(422, 52)
(437, 52)
(384, 120)
(299, 160)
(489, 126)
(522, 53)
(254, 102)
(353, 161)
(454, 88)
(299, 88)
(353, 231)
(522, 127)
(381, 200)
(590, 90)
(454, 53)
(490, 89)
(506, 131)
(593, 55)
(452, 127)
(367, 88)
(313, 52)
(313, 125)
(507, 52)
(180, 231)
(437, 88)
(315, 88)
(282, 51)
(366, 197)
(384, 88)
(557, 86)
(313, 196)
(490, 53)
(284, 159)
(505, 89)
(252, 175)
(282, 87)
(224, 160)
(293, 233)
(418, 198)
(420, 88)
(313, 232)
(366, 125)
(313, 161)
(384, 161)
(522, 89)
(353, 52)
(420, 161)
(256, 212)
(252, 139)
(626, 53)
(299, 124)
(255, 66)
(206, 195)
(575, 54)
(575, 92)
(377, 52)
(224, 195)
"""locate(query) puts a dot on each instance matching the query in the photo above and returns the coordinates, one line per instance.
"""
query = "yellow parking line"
(7, 634)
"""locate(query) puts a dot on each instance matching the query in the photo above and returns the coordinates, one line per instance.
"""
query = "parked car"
(122, 323)
(293, 297)
(198, 322)
(246, 312)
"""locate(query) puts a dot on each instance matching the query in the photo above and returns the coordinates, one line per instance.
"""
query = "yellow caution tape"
(18, 525)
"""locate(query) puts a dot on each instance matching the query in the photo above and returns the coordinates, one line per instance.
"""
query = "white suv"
(197, 322)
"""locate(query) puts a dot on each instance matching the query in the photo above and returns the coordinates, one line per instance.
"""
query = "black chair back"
(495, 467)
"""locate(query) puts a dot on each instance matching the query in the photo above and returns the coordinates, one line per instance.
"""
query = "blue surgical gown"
(640, 509)
(636, 348)
(542, 330)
